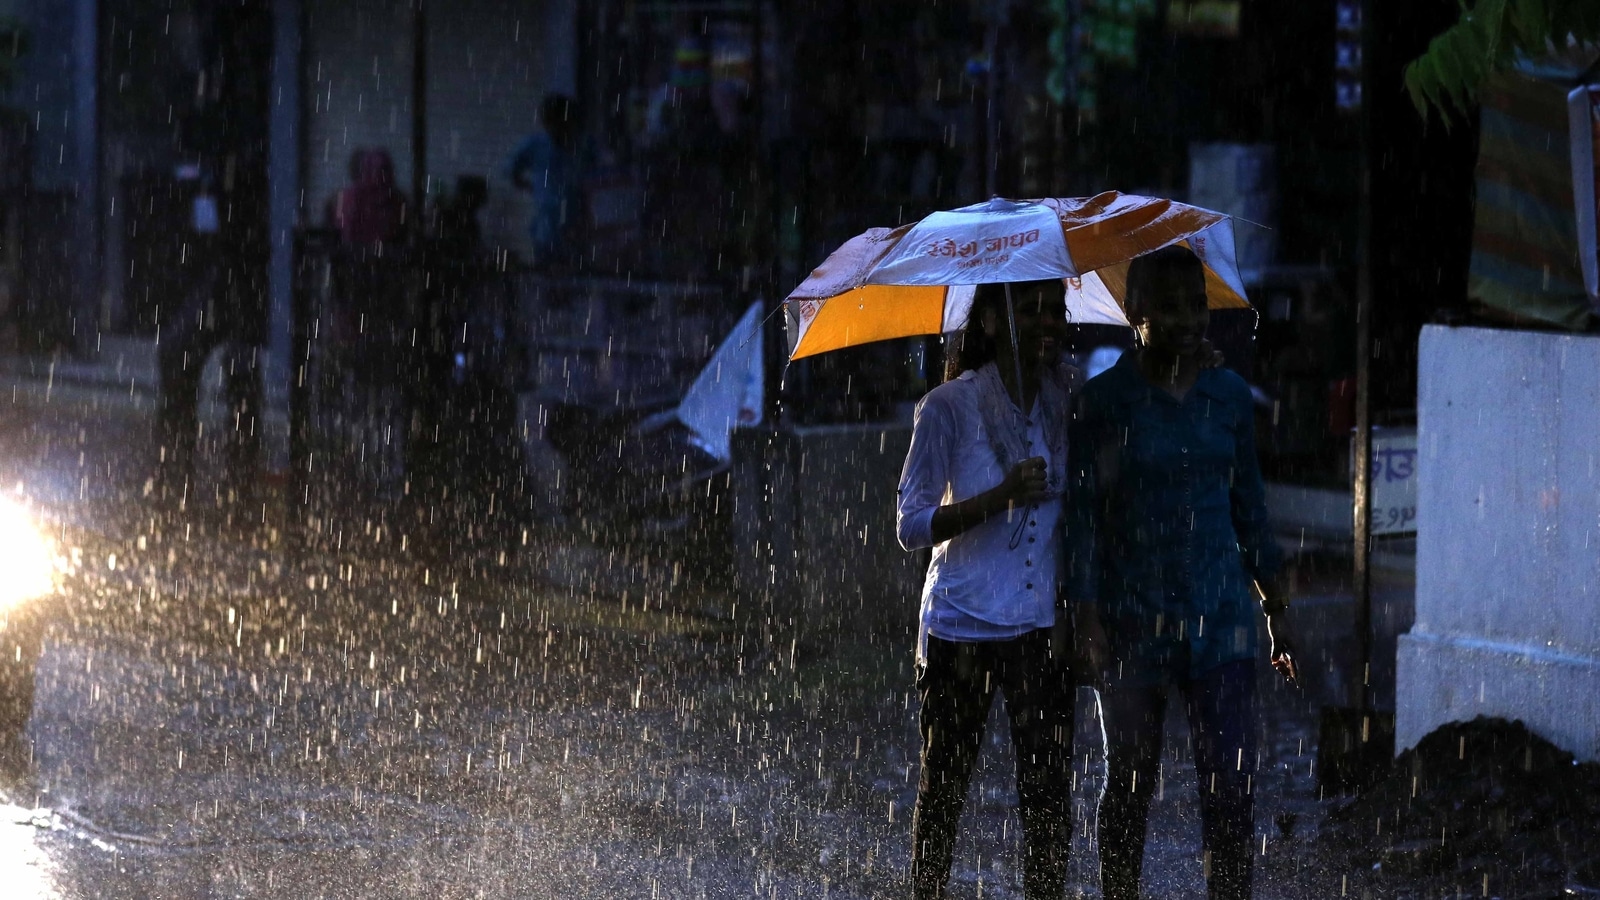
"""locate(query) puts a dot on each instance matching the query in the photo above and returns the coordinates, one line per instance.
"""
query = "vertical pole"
(283, 184)
(416, 396)
(419, 112)
(87, 281)
(775, 347)
(1016, 358)
(991, 120)
(1362, 490)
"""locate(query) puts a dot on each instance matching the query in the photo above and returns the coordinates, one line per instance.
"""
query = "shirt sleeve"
(926, 477)
(1080, 537)
(1262, 555)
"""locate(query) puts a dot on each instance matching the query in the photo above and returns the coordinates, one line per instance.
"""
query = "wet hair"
(969, 348)
(1171, 274)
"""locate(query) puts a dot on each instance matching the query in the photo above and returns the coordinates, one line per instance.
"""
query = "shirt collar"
(1132, 387)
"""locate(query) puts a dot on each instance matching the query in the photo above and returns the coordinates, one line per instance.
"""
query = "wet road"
(233, 710)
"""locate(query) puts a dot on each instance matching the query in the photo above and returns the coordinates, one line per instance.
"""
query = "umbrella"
(918, 279)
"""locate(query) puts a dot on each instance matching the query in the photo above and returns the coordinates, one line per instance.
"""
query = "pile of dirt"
(1486, 807)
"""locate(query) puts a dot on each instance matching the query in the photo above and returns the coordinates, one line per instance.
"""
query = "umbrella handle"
(1016, 358)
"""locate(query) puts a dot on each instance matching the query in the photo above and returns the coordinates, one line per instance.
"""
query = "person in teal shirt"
(1167, 533)
(548, 166)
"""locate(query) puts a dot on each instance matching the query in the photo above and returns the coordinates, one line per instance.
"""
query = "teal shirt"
(1167, 519)
(552, 171)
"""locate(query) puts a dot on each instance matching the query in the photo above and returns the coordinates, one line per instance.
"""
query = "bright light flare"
(27, 558)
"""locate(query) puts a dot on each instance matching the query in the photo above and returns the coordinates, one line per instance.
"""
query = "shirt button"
(1031, 540)
(1030, 585)
(1030, 562)
(1033, 523)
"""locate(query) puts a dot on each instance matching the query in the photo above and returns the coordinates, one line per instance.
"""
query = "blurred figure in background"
(374, 322)
(476, 360)
(371, 210)
(548, 167)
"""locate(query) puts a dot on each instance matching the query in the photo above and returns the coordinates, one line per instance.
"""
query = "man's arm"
(1080, 533)
(1262, 557)
(1085, 502)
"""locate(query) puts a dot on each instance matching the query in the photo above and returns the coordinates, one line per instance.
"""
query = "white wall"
(490, 63)
(357, 64)
(1508, 547)
(45, 87)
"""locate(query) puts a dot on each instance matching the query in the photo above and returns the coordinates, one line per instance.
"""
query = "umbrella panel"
(836, 307)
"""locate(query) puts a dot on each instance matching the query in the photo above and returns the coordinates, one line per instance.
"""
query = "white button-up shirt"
(997, 579)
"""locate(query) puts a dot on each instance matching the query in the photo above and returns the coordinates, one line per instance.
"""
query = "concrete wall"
(813, 530)
(490, 63)
(1508, 549)
(47, 87)
(55, 86)
(357, 59)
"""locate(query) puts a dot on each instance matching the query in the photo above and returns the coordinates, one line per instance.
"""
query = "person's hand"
(1092, 653)
(1209, 356)
(1025, 483)
(1283, 646)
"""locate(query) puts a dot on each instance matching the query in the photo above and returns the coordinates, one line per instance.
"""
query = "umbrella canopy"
(918, 279)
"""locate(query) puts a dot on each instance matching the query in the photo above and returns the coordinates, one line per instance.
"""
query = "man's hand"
(1283, 646)
(1093, 650)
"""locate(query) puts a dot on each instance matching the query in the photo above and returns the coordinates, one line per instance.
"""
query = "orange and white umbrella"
(918, 279)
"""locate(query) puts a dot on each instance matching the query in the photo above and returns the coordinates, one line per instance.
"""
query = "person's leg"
(242, 439)
(1039, 701)
(1222, 720)
(1132, 713)
(179, 420)
(956, 686)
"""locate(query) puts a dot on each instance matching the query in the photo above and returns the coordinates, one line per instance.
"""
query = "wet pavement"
(230, 707)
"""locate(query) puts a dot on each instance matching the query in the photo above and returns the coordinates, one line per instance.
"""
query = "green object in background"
(1489, 37)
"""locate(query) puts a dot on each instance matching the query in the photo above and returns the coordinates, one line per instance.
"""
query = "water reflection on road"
(26, 871)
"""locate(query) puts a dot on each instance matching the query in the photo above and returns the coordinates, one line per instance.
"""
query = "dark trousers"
(1222, 722)
(957, 686)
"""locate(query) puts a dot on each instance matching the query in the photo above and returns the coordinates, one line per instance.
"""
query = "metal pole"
(991, 125)
(419, 113)
(88, 277)
(1362, 491)
(284, 161)
(1016, 358)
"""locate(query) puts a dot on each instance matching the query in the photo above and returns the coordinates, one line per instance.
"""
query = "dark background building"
(734, 145)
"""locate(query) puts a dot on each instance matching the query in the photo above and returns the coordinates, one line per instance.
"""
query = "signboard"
(1204, 18)
(1394, 481)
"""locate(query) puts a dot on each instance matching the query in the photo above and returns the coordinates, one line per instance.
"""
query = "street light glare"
(27, 558)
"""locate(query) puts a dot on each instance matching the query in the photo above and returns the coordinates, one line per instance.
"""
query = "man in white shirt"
(982, 485)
